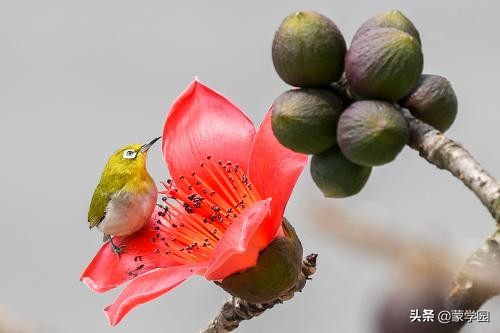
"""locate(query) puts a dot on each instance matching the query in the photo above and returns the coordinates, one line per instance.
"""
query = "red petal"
(274, 170)
(108, 270)
(239, 247)
(203, 123)
(149, 286)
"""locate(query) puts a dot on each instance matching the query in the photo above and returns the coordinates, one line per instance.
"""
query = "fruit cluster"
(346, 110)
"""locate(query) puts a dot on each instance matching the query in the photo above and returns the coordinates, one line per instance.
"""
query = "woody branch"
(476, 281)
(235, 310)
(450, 155)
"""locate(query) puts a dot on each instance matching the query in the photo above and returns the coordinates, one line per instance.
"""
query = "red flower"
(224, 204)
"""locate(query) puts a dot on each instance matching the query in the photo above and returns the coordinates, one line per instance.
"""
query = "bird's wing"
(103, 194)
(97, 209)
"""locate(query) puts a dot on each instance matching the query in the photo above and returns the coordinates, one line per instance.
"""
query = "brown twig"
(235, 310)
(477, 281)
(450, 155)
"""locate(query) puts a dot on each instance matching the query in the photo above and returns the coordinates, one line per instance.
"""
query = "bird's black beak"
(145, 147)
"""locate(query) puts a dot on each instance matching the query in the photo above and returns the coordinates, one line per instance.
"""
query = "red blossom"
(223, 205)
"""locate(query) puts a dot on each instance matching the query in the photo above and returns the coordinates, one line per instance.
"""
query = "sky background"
(78, 79)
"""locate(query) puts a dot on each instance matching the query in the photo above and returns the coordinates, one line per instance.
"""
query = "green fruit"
(305, 120)
(433, 101)
(393, 19)
(276, 272)
(372, 133)
(308, 50)
(336, 176)
(384, 63)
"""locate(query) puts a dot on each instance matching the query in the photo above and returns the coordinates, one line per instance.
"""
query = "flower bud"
(433, 101)
(276, 272)
(392, 19)
(308, 50)
(305, 120)
(372, 133)
(384, 64)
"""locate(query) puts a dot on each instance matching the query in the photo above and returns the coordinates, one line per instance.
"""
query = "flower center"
(197, 212)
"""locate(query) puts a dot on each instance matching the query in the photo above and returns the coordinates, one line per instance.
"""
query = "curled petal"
(274, 170)
(239, 247)
(203, 123)
(149, 286)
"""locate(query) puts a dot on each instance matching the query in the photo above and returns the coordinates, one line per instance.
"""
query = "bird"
(126, 195)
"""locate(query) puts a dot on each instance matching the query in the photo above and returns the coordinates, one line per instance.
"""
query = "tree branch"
(477, 281)
(450, 155)
(235, 310)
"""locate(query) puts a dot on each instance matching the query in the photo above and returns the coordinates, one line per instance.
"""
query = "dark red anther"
(188, 208)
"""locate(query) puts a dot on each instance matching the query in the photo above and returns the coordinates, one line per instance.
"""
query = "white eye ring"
(129, 154)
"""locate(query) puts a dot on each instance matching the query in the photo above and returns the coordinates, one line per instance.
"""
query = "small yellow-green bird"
(125, 197)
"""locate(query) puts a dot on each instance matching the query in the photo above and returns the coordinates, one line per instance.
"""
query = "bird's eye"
(129, 154)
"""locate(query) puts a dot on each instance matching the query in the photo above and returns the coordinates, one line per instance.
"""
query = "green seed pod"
(433, 101)
(393, 19)
(372, 133)
(277, 270)
(308, 50)
(305, 120)
(384, 63)
(336, 176)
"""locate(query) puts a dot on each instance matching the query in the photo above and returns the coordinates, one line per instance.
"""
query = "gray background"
(80, 78)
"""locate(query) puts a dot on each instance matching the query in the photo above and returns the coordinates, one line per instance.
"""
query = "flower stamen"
(196, 214)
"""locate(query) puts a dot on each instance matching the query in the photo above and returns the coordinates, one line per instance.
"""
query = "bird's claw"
(118, 249)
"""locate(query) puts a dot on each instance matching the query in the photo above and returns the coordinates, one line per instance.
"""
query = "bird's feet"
(118, 249)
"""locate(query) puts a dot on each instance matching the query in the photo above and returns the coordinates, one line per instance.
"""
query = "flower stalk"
(236, 310)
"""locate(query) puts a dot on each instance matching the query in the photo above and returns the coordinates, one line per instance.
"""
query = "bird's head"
(130, 158)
